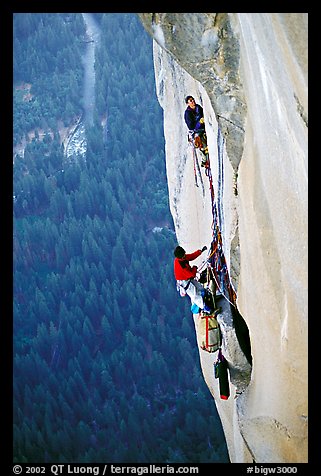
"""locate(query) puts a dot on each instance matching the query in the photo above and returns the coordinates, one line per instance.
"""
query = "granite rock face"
(249, 72)
(206, 46)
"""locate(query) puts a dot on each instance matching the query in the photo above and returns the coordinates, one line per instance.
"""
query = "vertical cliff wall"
(249, 71)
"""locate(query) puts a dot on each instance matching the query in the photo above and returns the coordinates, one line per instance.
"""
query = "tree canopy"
(106, 365)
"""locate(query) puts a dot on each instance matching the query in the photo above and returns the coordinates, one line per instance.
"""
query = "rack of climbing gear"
(200, 143)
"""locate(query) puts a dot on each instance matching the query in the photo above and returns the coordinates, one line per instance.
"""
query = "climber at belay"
(202, 298)
(194, 118)
(187, 283)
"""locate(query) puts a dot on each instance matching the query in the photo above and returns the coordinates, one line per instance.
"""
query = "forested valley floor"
(106, 364)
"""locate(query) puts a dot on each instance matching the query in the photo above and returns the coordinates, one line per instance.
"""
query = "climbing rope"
(196, 164)
(216, 258)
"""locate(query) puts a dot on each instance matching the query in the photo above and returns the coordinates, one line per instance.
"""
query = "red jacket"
(182, 268)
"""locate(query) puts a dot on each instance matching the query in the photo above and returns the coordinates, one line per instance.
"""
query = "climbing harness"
(187, 285)
(182, 289)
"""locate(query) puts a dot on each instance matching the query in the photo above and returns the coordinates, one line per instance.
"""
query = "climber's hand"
(204, 249)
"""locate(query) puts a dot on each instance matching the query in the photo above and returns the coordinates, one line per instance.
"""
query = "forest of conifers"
(106, 364)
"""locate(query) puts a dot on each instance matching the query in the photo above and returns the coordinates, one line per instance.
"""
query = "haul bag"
(221, 372)
(209, 334)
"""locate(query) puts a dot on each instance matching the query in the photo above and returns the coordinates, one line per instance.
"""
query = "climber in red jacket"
(182, 268)
(185, 276)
